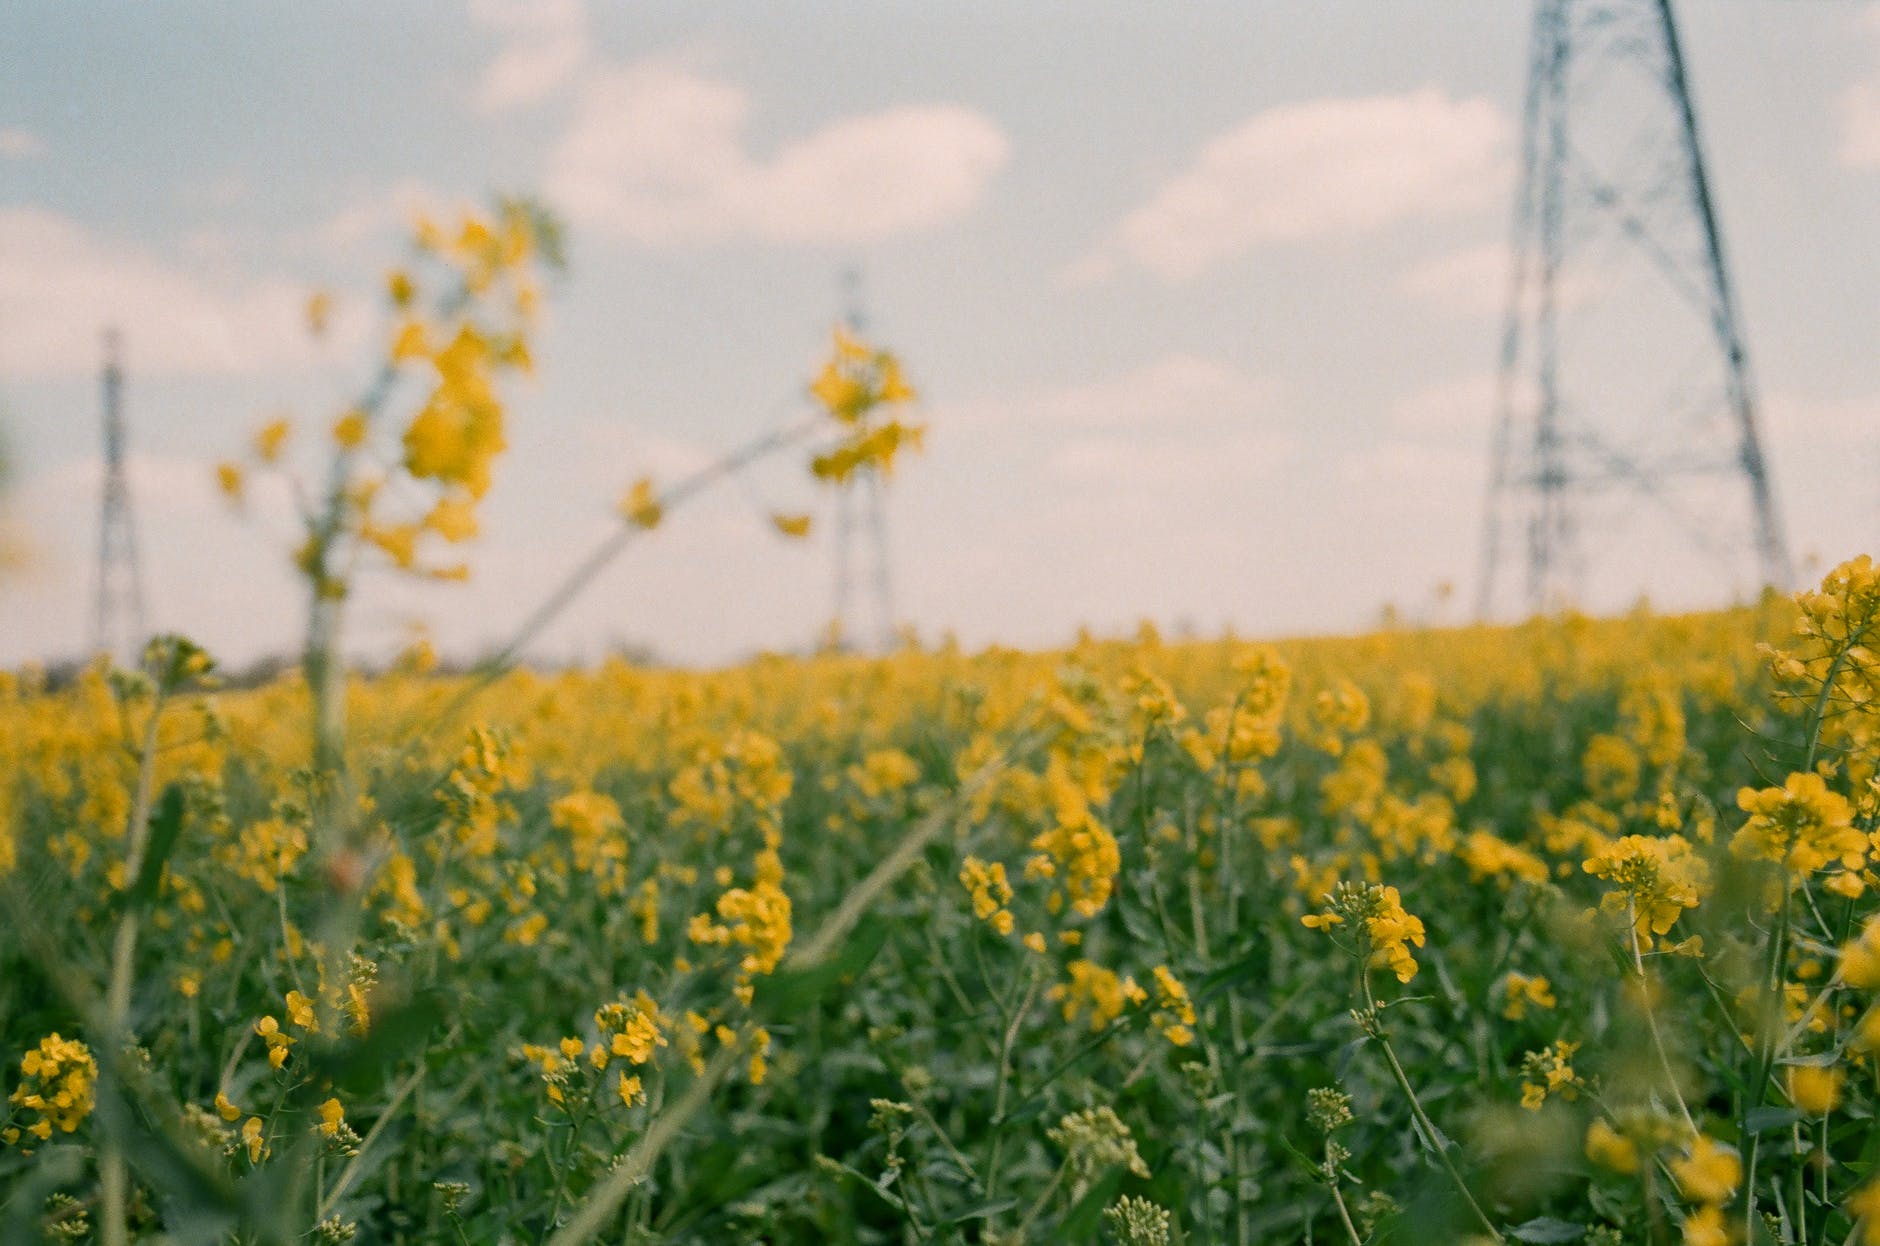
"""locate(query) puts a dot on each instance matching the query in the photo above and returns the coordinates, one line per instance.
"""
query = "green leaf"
(166, 826)
(1762, 1120)
(979, 1211)
(1080, 1223)
(391, 1036)
(791, 990)
(1547, 1229)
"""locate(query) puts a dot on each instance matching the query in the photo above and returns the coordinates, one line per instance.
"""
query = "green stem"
(114, 1176)
(1004, 1086)
(1429, 1127)
(1338, 1198)
(1057, 1179)
(1651, 1020)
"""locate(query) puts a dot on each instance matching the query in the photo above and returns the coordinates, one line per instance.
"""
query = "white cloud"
(1135, 466)
(382, 212)
(1319, 169)
(618, 453)
(658, 154)
(1473, 279)
(61, 286)
(1173, 391)
(1177, 423)
(18, 144)
(1401, 475)
(1860, 111)
(545, 46)
(1463, 407)
(1844, 422)
(1860, 119)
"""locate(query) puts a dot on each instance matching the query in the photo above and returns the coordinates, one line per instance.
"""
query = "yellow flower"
(349, 431)
(251, 1136)
(271, 440)
(270, 1031)
(631, 1092)
(990, 892)
(300, 1011)
(454, 519)
(331, 1114)
(1377, 911)
(60, 1075)
(1523, 991)
(400, 288)
(410, 342)
(791, 525)
(641, 506)
(1865, 1203)
(229, 478)
(1706, 1227)
(1860, 960)
(1655, 879)
(1708, 1172)
(1801, 824)
(319, 312)
(1609, 1148)
(1813, 1089)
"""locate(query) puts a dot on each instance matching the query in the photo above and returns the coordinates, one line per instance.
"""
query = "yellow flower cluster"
(1655, 879)
(990, 891)
(56, 1086)
(632, 1031)
(1388, 931)
(1077, 843)
(1094, 990)
(755, 918)
(1804, 827)
(856, 384)
(1549, 1071)
(596, 837)
(1174, 1011)
(1523, 992)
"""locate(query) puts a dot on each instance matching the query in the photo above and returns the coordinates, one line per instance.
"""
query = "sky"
(1203, 301)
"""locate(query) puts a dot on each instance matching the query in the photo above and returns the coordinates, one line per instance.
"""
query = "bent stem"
(601, 556)
(1430, 1132)
(605, 1199)
(1651, 1019)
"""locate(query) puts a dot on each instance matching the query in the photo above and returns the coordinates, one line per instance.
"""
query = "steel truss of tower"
(871, 524)
(118, 613)
(1625, 422)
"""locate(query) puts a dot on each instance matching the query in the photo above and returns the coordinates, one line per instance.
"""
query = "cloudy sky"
(1203, 299)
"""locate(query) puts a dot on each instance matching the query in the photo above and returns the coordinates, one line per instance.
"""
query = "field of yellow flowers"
(1544, 934)
(1556, 933)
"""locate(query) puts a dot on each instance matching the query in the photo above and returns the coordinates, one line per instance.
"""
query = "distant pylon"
(1624, 403)
(846, 620)
(118, 624)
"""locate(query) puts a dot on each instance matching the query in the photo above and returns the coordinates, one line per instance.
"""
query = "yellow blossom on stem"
(1708, 1171)
(640, 506)
(1609, 1148)
(1801, 825)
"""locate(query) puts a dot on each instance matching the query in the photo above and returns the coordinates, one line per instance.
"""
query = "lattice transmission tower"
(1625, 432)
(861, 517)
(118, 618)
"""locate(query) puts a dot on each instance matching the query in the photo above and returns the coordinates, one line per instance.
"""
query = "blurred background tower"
(1625, 449)
(861, 519)
(118, 623)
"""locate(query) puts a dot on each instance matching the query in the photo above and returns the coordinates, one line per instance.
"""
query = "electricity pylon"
(872, 521)
(1625, 409)
(118, 619)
